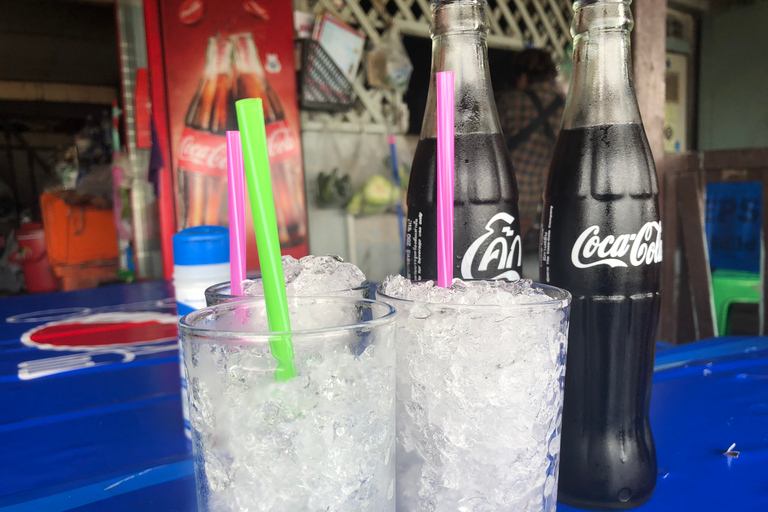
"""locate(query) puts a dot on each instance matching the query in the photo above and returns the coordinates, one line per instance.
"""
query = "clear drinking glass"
(479, 402)
(324, 440)
(222, 292)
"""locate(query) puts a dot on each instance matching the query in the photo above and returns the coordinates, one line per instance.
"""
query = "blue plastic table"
(99, 428)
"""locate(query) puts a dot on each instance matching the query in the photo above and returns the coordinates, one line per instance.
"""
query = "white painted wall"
(372, 243)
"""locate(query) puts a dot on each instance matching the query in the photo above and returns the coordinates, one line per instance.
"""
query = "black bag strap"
(542, 121)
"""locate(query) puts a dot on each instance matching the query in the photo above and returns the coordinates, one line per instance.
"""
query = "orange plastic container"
(77, 235)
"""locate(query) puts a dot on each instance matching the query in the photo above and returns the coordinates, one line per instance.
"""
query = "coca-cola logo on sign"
(191, 12)
(212, 157)
(643, 248)
(497, 257)
(252, 7)
(280, 141)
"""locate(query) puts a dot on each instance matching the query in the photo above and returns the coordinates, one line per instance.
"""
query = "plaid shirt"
(532, 156)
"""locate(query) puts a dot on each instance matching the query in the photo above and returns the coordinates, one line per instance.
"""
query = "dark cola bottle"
(487, 243)
(601, 240)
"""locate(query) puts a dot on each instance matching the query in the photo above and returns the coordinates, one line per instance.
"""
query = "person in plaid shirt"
(530, 118)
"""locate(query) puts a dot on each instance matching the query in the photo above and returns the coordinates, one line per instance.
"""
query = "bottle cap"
(201, 245)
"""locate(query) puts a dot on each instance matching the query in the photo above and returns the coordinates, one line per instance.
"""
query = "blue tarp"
(733, 225)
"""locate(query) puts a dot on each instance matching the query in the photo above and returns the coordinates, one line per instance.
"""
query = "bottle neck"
(218, 59)
(459, 44)
(246, 54)
(602, 90)
(212, 57)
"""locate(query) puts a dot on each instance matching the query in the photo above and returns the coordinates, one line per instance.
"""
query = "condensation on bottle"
(601, 240)
(487, 242)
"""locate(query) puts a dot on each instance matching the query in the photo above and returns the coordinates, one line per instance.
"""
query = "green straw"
(250, 118)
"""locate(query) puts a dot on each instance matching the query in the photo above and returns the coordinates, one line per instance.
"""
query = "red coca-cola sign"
(213, 57)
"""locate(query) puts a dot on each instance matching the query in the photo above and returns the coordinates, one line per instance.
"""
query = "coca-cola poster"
(215, 53)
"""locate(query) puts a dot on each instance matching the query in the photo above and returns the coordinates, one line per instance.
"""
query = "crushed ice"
(312, 274)
(465, 292)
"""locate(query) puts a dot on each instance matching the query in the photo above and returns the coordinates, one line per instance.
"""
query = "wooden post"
(649, 63)
(691, 212)
(649, 60)
(671, 293)
(669, 300)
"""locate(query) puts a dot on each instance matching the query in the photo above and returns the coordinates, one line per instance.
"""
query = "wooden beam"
(418, 29)
(649, 58)
(565, 25)
(66, 93)
(553, 37)
(538, 40)
(511, 21)
(649, 64)
(668, 317)
(691, 215)
(756, 158)
(31, 112)
(675, 300)
(693, 5)
(39, 140)
(402, 7)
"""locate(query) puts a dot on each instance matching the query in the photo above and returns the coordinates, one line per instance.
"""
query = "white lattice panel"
(513, 24)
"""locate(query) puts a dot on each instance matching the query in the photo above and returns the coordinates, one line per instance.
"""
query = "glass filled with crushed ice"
(480, 372)
(311, 275)
(324, 440)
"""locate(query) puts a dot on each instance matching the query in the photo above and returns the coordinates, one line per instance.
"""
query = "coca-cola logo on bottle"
(280, 142)
(643, 248)
(191, 12)
(497, 255)
(204, 155)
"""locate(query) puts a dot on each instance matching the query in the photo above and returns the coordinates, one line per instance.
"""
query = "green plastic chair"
(729, 287)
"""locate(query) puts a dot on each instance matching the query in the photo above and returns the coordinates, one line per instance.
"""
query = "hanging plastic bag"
(388, 64)
(333, 189)
(330, 185)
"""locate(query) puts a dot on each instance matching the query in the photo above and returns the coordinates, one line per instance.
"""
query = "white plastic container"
(200, 260)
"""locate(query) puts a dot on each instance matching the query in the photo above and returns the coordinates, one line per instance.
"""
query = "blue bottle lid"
(201, 245)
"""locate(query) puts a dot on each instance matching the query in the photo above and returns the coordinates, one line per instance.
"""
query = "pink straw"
(445, 142)
(236, 181)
